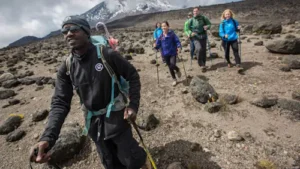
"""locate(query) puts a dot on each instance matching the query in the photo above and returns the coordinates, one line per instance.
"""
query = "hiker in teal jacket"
(228, 32)
(198, 26)
(187, 33)
(156, 34)
(158, 31)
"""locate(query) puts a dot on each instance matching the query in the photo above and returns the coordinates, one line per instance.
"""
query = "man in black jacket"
(88, 76)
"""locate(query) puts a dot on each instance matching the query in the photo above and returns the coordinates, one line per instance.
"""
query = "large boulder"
(5, 94)
(10, 124)
(267, 28)
(202, 91)
(284, 46)
(69, 144)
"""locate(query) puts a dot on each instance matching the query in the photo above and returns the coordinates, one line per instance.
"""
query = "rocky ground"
(253, 121)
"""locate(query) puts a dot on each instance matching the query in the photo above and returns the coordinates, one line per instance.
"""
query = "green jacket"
(186, 28)
(196, 24)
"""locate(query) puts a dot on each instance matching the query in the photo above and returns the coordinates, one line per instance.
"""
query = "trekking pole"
(143, 144)
(240, 44)
(209, 51)
(157, 68)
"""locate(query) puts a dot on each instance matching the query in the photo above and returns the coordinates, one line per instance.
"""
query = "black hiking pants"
(171, 62)
(200, 50)
(235, 47)
(120, 152)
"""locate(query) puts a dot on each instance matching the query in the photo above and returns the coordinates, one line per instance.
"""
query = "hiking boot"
(178, 74)
(203, 69)
(174, 83)
(238, 65)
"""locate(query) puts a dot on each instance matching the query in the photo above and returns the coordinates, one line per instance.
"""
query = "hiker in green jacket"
(188, 33)
(198, 26)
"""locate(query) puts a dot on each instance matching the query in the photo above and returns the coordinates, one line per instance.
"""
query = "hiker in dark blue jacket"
(228, 32)
(169, 44)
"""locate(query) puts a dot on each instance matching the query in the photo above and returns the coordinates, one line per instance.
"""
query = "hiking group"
(109, 86)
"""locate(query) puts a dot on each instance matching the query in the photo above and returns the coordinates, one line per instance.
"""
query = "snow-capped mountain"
(109, 10)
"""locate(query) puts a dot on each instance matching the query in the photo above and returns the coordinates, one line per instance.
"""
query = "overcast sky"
(38, 18)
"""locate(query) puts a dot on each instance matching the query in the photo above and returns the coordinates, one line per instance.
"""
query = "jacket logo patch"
(98, 67)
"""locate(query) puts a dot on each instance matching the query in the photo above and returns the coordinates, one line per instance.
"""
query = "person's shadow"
(245, 66)
(185, 152)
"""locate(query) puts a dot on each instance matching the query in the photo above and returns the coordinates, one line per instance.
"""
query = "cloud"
(20, 18)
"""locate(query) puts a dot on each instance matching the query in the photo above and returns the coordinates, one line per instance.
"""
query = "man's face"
(75, 36)
(195, 12)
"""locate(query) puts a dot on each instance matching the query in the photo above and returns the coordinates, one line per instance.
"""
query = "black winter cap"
(82, 23)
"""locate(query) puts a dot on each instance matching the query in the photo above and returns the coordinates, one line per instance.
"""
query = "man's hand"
(205, 27)
(226, 36)
(154, 45)
(129, 114)
(41, 156)
(239, 27)
(193, 34)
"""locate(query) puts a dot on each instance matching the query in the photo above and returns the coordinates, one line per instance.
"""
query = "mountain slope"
(24, 40)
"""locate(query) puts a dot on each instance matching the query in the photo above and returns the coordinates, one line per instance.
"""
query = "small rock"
(15, 135)
(153, 62)
(285, 68)
(265, 101)
(296, 95)
(185, 91)
(176, 165)
(40, 115)
(214, 55)
(6, 76)
(147, 122)
(212, 107)
(14, 102)
(195, 147)
(229, 99)
(247, 134)
(290, 105)
(128, 57)
(10, 124)
(234, 136)
(5, 106)
(217, 133)
(5, 94)
(259, 43)
(36, 136)
(213, 44)
(39, 88)
(11, 83)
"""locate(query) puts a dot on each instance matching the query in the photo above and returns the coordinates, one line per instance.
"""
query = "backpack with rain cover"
(99, 42)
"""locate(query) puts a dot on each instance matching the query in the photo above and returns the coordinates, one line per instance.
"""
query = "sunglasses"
(72, 29)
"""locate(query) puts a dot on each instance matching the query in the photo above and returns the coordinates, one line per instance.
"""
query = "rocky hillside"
(252, 122)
